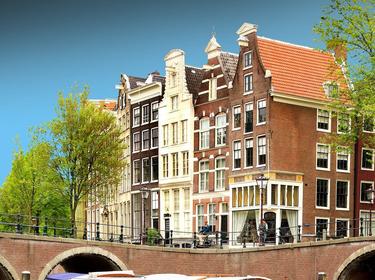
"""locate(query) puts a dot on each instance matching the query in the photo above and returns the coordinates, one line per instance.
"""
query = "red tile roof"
(297, 70)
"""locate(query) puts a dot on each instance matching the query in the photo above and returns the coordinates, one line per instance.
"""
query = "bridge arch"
(7, 272)
(359, 265)
(88, 258)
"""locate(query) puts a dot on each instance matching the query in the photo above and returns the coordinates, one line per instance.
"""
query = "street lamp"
(370, 196)
(262, 184)
(144, 193)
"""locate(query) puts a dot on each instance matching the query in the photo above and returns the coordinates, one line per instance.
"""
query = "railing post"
(54, 229)
(217, 238)
(195, 239)
(121, 238)
(244, 242)
(221, 240)
(84, 237)
(299, 234)
(36, 229)
(18, 226)
(361, 227)
(171, 238)
(97, 237)
(45, 228)
(280, 237)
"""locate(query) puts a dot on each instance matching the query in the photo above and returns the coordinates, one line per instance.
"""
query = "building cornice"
(298, 100)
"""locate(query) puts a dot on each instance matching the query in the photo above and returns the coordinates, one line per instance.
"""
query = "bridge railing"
(52, 226)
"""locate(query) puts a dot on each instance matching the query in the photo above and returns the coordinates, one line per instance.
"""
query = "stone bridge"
(350, 258)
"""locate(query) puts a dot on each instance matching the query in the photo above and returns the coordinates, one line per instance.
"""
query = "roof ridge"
(291, 44)
(191, 66)
(235, 54)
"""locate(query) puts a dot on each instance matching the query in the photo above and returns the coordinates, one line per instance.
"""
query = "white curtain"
(239, 219)
(292, 221)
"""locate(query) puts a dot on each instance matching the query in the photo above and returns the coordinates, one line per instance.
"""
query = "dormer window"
(248, 59)
(331, 89)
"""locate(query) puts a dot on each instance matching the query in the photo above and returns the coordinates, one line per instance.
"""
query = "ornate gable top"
(246, 29)
(212, 45)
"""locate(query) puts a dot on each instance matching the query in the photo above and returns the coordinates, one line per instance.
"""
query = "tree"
(86, 149)
(32, 187)
(348, 27)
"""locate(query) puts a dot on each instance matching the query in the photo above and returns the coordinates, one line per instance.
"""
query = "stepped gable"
(297, 70)
(194, 78)
(229, 63)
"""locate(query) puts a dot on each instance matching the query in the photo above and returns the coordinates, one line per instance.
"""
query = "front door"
(224, 228)
(270, 218)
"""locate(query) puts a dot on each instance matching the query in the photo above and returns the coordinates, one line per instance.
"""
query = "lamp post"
(144, 193)
(370, 196)
(262, 184)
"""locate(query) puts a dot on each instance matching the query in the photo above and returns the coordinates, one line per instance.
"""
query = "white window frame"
(348, 228)
(184, 131)
(140, 117)
(233, 113)
(204, 131)
(151, 144)
(245, 155)
(329, 158)
(328, 194)
(199, 214)
(212, 89)
(258, 107)
(337, 162)
(220, 169)
(152, 173)
(233, 145)
(322, 218)
(175, 164)
(174, 127)
(142, 176)
(185, 163)
(251, 105)
(165, 132)
(338, 123)
(257, 151)
(251, 60)
(329, 121)
(368, 131)
(220, 127)
(360, 191)
(143, 110)
(174, 105)
(140, 172)
(142, 141)
(372, 163)
(251, 81)
(348, 196)
(151, 110)
(205, 161)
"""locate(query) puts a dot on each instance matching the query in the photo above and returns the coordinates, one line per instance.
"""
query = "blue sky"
(47, 46)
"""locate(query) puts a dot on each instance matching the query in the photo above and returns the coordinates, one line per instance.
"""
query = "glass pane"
(295, 196)
(282, 195)
(245, 196)
(257, 195)
(289, 195)
(274, 194)
(234, 198)
(251, 195)
(239, 197)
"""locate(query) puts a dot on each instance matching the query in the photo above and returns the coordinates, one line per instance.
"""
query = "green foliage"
(32, 186)
(86, 149)
(152, 236)
(349, 25)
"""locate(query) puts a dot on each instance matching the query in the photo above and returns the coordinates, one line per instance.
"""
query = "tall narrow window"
(136, 172)
(262, 112)
(237, 154)
(145, 170)
(236, 117)
(165, 165)
(136, 142)
(204, 127)
(342, 228)
(175, 164)
(249, 152)
(154, 111)
(221, 129)
(343, 123)
(154, 168)
(174, 133)
(212, 89)
(136, 116)
(165, 135)
(154, 137)
(342, 194)
(367, 159)
(322, 190)
(262, 150)
(145, 114)
(145, 140)
(248, 117)
(343, 160)
(366, 191)
(324, 120)
(321, 226)
(203, 176)
(174, 103)
(184, 131)
(248, 59)
(211, 216)
(185, 163)
(200, 217)
(248, 83)
(220, 174)
(322, 156)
